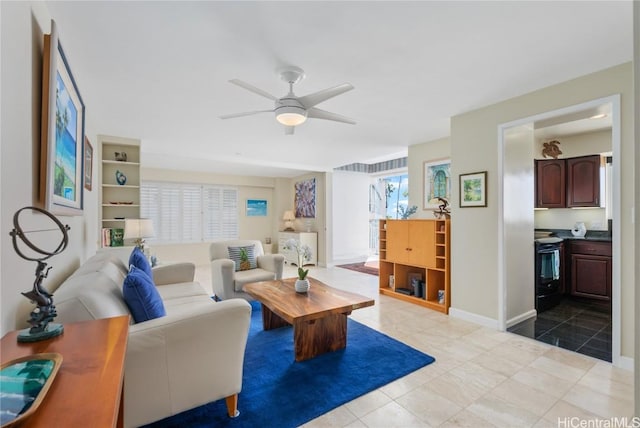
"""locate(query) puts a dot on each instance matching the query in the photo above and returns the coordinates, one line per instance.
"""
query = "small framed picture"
(473, 189)
(256, 207)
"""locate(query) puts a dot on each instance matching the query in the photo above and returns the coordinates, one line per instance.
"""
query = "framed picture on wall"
(62, 133)
(473, 189)
(305, 192)
(437, 182)
(256, 208)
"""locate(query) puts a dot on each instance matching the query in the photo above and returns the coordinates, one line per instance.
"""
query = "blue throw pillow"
(141, 296)
(235, 255)
(139, 260)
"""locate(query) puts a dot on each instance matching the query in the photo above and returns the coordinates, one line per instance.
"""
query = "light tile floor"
(481, 377)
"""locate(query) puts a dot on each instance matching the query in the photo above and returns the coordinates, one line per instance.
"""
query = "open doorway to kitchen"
(573, 306)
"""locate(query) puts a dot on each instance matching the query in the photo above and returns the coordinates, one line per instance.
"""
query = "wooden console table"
(88, 388)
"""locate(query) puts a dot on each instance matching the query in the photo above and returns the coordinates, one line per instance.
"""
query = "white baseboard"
(625, 363)
(474, 318)
(522, 317)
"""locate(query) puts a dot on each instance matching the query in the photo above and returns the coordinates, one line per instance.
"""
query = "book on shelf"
(112, 237)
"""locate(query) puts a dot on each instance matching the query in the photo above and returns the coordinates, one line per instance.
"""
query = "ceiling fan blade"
(311, 100)
(288, 130)
(316, 113)
(253, 89)
(247, 113)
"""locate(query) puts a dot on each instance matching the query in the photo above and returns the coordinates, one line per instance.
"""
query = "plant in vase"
(304, 255)
(244, 259)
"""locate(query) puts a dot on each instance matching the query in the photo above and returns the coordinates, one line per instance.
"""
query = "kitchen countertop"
(592, 235)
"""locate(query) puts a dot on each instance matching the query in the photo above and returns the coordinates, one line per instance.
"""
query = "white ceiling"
(159, 71)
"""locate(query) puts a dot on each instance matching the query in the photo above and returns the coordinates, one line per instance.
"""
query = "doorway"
(517, 221)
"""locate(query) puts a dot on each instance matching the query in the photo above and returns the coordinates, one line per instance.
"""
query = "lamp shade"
(288, 216)
(138, 228)
(291, 115)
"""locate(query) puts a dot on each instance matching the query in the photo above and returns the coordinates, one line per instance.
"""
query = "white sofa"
(192, 356)
(226, 282)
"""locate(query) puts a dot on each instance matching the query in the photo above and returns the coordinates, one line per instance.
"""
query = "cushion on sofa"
(235, 255)
(141, 296)
(139, 260)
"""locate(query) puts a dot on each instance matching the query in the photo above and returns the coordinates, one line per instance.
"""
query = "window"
(185, 212)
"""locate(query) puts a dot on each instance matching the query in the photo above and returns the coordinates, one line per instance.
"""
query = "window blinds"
(186, 212)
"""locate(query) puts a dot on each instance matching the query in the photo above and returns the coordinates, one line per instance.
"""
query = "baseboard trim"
(625, 363)
(474, 318)
(522, 317)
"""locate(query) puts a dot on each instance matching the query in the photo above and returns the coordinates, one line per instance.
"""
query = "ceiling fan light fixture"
(291, 116)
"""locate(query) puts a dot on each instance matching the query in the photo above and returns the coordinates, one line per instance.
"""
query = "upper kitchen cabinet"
(551, 183)
(583, 181)
(568, 183)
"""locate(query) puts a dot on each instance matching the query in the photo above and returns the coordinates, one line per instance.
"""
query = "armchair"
(226, 282)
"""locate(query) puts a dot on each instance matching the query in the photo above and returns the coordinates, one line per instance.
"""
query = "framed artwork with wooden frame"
(62, 133)
(473, 189)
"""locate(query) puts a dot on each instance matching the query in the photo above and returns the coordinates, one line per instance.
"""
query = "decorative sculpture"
(443, 210)
(45, 311)
(551, 149)
(121, 156)
(121, 178)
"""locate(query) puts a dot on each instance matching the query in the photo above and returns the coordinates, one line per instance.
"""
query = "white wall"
(22, 33)
(518, 222)
(350, 216)
(474, 245)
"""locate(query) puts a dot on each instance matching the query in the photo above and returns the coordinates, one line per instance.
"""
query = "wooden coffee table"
(318, 317)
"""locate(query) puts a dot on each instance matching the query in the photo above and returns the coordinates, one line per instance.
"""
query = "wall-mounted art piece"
(62, 135)
(306, 198)
(256, 208)
(473, 189)
(88, 164)
(437, 183)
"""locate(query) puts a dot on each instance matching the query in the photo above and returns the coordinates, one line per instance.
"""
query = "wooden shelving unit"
(118, 201)
(416, 247)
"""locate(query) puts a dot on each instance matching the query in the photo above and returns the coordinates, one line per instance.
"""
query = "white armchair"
(226, 282)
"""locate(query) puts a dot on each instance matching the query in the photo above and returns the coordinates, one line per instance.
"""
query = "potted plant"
(244, 259)
(304, 254)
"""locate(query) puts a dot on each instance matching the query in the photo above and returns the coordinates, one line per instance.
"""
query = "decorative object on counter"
(25, 382)
(304, 255)
(405, 213)
(443, 210)
(138, 229)
(288, 220)
(121, 179)
(551, 149)
(45, 312)
(473, 189)
(121, 156)
(579, 230)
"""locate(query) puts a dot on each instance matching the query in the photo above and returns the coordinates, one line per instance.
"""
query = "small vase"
(302, 285)
(121, 178)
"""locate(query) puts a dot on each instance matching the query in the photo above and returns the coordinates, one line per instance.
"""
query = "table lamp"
(288, 221)
(138, 229)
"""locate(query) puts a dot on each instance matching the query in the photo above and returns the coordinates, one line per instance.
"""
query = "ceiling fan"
(291, 110)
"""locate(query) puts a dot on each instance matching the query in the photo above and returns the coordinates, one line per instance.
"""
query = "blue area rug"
(278, 392)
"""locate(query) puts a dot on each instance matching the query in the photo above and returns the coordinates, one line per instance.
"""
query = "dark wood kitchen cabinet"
(591, 269)
(550, 183)
(583, 181)
(567, 183)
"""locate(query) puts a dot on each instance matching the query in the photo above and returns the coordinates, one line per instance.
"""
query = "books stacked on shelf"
(112, 237)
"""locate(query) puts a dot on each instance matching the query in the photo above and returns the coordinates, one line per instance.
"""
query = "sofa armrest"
(222, 278)
(272, 263)
(173, 273)
(185, 359)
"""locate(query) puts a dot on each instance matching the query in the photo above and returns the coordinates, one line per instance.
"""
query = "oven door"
(547, 269)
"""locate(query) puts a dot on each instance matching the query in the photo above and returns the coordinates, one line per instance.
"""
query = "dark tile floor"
(580, 326)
